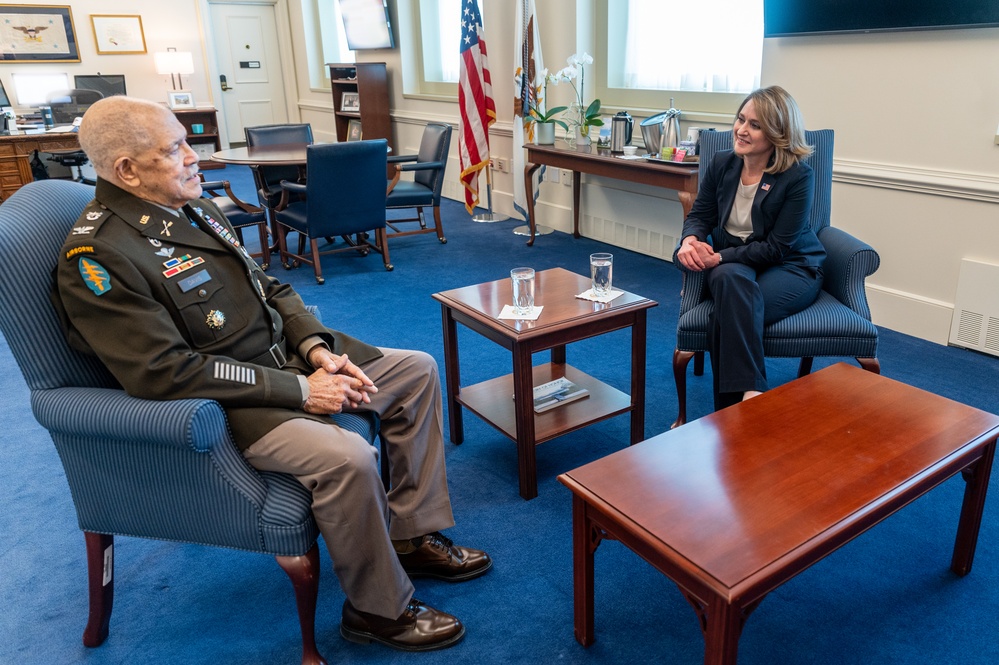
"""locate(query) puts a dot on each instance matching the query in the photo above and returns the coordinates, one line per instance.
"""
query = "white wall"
(915, 114)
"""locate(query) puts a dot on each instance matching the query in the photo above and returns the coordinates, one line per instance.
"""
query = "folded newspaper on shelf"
(554, 393)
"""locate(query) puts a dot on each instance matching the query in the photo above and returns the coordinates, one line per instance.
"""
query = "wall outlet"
(551, 175)
(566, 176)
(500, 164)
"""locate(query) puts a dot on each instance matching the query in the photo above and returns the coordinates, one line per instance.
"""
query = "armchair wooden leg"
(314, 244)
(804, 367)
(699, 363)
(381, 238)
(304, 573)
(680, 361)
(100, 583)
(870, 364)
(438, 226)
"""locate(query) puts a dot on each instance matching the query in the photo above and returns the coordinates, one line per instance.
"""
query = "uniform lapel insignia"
(95, 276)
(144, 219)
(166, 228)
(215, 320)
(165, 251)
(155, 243)
(82, 230)
(94, 216)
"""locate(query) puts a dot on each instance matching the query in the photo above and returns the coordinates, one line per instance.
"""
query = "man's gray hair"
(119, 126)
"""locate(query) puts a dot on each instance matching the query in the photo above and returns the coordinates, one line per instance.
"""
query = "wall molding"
(952, 184)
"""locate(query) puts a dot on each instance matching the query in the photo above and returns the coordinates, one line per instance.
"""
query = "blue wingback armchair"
(165, 470)
(837, 324)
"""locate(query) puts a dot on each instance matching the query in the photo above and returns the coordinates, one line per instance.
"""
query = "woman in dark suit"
(749, 230)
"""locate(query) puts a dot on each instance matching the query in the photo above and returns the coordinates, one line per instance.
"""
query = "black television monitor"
(366, 24)
(106, 84)
(4, 99)
(801, 17)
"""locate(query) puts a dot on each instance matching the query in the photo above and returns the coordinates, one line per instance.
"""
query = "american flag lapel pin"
(765, 187)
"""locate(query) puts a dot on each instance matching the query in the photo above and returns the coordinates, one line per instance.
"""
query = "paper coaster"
(589, 295)
(510, 313)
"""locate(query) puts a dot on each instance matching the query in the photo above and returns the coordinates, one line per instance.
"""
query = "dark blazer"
(781, 211)
(176, 308)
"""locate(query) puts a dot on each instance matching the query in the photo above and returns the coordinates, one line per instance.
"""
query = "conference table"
(282, 154)
(678, 176)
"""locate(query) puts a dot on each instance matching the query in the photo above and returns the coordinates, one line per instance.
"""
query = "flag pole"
(489, 216)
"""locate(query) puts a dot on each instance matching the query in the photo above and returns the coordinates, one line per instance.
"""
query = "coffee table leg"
(523, 390)
(452, 375)
(721, 634)
(977, 479)
(582, 573)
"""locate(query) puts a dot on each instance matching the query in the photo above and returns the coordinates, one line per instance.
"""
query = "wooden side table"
(565, 319)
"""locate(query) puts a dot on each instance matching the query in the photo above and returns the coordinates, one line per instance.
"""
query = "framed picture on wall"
(354, 130)
(37, 33)
(118, 33)
(350, 101)
(180, 99)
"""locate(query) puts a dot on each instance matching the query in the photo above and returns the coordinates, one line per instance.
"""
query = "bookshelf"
(368, 83)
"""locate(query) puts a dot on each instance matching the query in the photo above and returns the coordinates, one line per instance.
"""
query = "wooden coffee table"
(733, 505)
(563, 320)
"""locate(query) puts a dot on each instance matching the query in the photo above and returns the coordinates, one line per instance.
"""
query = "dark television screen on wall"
(366, 24)
(802, 17)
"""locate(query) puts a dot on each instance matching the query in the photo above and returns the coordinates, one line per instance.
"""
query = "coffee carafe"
(622, 125)
(670, 137)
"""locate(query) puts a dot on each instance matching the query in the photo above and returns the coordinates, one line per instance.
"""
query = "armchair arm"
(212, 187)
(393, 159)
(289, 187)
(420, 166)
(848, 263)
(692, 290)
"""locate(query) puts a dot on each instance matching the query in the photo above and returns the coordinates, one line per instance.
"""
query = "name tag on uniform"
(195, 280)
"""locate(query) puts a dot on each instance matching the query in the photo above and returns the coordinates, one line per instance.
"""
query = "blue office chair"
(344, 196)
(268, 178)
(240, 214)
(125, 457)
(837, 324)
(424, 190)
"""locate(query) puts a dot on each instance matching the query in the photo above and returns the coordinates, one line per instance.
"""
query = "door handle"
(222, 81)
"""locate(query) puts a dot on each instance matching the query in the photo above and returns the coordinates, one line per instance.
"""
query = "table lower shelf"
(493, 402)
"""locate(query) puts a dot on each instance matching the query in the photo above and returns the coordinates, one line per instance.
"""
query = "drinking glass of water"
(523, 290)
(601, 271)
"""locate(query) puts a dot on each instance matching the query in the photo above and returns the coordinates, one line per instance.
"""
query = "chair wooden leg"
(680, 361)
(870, 364)
(439, 226)
(381, 237)
(282, 238)
(304, 573)
(315, 260)
(804, 367)
(100, 582)
(265, 246)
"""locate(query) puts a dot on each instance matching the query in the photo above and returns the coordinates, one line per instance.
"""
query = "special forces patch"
(94, 276)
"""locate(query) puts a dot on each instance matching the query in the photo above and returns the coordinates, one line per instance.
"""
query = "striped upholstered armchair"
(124, 457)
(837, 324)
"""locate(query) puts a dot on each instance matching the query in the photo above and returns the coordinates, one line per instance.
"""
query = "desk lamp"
(174, 62)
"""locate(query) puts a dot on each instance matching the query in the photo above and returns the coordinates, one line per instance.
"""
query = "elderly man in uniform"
(155, 283)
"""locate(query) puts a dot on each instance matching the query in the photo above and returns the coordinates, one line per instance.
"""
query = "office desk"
(681, 177)
(15, 156)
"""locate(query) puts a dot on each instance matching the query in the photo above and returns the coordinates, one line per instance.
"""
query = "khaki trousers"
(356, 516)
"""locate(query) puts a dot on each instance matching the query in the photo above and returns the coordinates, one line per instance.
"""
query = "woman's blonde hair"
(782, 124)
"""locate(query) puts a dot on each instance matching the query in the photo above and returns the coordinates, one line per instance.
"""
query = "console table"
(681, 177)
(16, 151)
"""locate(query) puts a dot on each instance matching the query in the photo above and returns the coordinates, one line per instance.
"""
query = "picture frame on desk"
(354, 130)
(350, 102)
(22, 41)
(204, 151)
(118, 33)
(180, 99)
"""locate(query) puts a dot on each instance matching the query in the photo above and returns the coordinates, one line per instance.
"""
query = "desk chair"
(67, 106)
(837, 324)
(268, 178)
(125, 457)
(344, 196)
(240, 214)
(428, 167)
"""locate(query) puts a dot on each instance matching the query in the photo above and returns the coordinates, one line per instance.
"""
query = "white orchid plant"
(589, 116)
(549, 115)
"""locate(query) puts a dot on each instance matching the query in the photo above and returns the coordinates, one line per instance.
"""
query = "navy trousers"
(746, 301)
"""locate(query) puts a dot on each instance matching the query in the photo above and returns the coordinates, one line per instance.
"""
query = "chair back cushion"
(346, 187)
(34, 223)
(821, 161)
(268, 178)
(434, 147)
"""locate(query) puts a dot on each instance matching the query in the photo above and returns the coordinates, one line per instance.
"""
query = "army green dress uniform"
(175, 308)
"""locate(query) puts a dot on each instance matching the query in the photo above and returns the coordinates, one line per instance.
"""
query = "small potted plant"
(546, 120)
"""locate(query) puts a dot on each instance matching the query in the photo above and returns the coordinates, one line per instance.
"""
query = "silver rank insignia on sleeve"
(215, 320)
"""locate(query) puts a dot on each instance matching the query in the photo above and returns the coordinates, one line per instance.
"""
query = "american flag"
(475, 103)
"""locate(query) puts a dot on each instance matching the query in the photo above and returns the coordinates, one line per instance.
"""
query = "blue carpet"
(888, 597)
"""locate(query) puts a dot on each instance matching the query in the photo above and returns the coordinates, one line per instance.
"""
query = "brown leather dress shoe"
(439, 557)
(420, 628)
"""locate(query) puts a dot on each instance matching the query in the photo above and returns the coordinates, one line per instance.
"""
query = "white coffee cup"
(630, 150)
